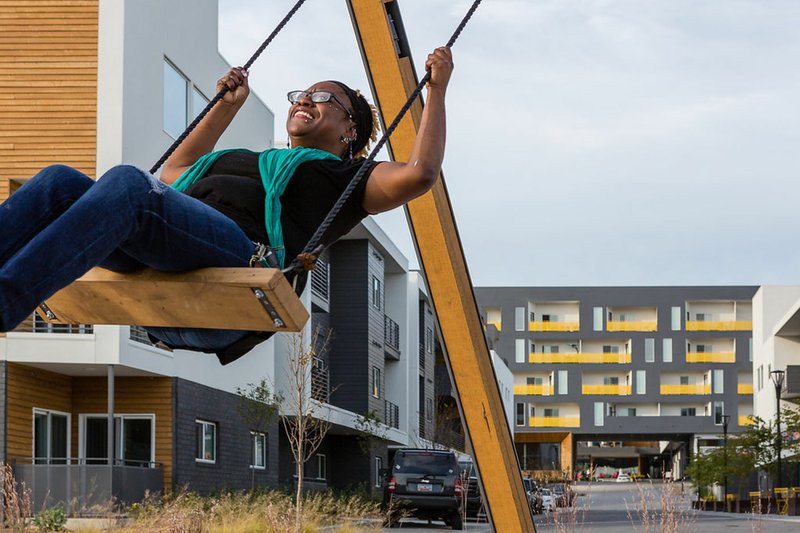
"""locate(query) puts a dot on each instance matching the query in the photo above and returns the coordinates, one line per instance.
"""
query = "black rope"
(225, 89)
(314, 248)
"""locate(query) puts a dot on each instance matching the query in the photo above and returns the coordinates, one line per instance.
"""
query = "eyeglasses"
(318, 97)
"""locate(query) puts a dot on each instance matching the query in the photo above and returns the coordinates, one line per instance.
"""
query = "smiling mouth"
(303, 114)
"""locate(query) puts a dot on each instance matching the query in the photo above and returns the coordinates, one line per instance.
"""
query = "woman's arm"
(392, 184)
(207, 133)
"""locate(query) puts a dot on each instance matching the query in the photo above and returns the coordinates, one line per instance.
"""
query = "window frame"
(119, 437)
(378, 468)
(322, 466)
(377, 293)
(254, 436)
(376, 382)
(48, 459)
(202, 423)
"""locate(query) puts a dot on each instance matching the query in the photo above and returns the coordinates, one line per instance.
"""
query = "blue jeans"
(61, 223)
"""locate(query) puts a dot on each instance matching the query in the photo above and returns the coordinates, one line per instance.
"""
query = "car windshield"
(424, 463)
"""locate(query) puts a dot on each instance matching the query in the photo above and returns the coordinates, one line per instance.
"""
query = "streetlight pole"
(725, 419)
(777, 377)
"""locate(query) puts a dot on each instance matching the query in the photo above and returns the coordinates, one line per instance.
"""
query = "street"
(610, 506)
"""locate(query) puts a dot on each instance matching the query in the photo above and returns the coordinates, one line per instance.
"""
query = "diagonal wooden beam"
(386, 56)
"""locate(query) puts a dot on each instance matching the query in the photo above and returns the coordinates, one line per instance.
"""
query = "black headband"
(362, 116)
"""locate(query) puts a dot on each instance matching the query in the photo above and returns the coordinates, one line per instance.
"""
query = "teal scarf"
(276, 166)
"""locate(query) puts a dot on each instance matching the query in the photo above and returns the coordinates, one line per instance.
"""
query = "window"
(684, 380)
(520, 414)
(610, 349)
(206, 442)
(377, 293)
(531, 411)
(378, 468)
(133, 439)
(598, 413)
(376, 382)
(551, 412)
(627, 411)
(520, 350)
(688, 411)
(550, 349)
(322, 466)
(50, 437)
(702, 317)
(666, 349)
(429, 340)
(176, 97)
(760, 377)
(549, 318)
(649, 350)
(626, 317)
(718, 381)
(199, 102)
(259, 450)
(519, 319)
(641, 382)
(611, 381)
(719, 410)
(750, 349)
(597, 315)
(563, 382)
(676, 319)
(535, 380)
(704, 348)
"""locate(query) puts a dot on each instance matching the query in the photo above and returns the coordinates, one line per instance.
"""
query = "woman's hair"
(366, 118)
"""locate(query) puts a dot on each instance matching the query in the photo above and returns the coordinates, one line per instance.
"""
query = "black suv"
(424, 484)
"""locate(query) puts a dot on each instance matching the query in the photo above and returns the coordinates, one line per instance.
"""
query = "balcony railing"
(320, 280)
(79, 487)
(36, 324)
(554, 421)
(719, 325)
(744, 388)
(584, 357)
(553, 326)
(496, 323)
(746, 420)
(622, 390)
(541, 390)
(633, 325)
(391, 333)
(686, 389)
(710, 357)
(320, 380)
(421, 356)
(391, 414)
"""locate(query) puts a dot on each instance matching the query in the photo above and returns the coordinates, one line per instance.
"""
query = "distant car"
(563, 494)
(426, 484)
(532, 493)
(623, 478)
(548, 500)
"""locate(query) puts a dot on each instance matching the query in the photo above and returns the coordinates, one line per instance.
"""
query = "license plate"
(424, 488)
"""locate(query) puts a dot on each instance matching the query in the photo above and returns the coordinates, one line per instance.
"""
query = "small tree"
(370, 430)
(258, 406)
(305, 428)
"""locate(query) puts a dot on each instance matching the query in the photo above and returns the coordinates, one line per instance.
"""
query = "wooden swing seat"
(256, 299)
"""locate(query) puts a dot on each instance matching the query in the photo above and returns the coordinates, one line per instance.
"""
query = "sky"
(590, 142)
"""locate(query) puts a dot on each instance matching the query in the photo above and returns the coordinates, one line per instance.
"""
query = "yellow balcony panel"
(579, 357)
(495, 323)
(624, 390)
(746, 420)
(542, 390)
(686, 389)
(719, 325)
(710, 357)
(554, 421)
(744, 388)
(553, 326)
(634, 325)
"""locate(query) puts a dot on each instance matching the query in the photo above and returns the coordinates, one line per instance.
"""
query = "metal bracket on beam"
(267, 305)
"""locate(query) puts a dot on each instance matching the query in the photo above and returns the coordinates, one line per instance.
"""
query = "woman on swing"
(220, 205)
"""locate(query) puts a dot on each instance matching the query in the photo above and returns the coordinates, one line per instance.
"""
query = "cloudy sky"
(590, 142)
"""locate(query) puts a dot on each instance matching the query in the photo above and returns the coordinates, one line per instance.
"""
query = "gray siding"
(234, 448)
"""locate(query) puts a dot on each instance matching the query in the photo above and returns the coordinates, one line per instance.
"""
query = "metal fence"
(36, 324)
(320, 380)
(320, 280)
(391, 414)
(391, 333)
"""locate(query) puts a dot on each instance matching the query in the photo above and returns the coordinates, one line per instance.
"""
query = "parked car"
(548, 500)
(623, 478)
(532, 493)
(425, 484)
(563, 494)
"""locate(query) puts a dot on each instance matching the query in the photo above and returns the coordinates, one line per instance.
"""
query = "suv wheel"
(457, 522)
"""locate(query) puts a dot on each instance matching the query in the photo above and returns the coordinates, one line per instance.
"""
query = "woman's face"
(321, 124)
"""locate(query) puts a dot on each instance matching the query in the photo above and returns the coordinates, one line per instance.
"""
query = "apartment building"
(651, 369)
(93, 412)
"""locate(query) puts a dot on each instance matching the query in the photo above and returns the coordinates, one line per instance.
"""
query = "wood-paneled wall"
(48, 86)
(30, 388)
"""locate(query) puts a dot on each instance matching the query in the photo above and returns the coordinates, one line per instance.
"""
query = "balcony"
(36, 324)
(685, 389)
(320, 380)
(496, 323)
(579, 358)
(391, 414)
(391, 338)
(719, 325)
(553, 326)
(529, 390)
(554, 421)
(76, 486)
(744, 388)
(621, 390)
(746, 420)
(710, 357)
(633, 325)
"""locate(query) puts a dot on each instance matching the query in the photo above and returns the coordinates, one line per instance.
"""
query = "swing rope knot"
(307, 261)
